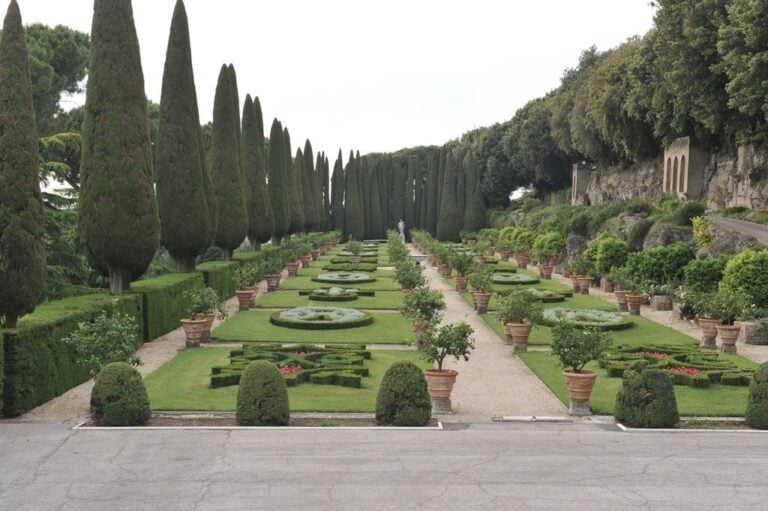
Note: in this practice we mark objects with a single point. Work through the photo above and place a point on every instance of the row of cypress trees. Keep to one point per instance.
(436, 189)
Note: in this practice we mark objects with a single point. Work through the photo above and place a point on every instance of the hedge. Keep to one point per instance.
(163, 302)
(38, 365)
(220, 275)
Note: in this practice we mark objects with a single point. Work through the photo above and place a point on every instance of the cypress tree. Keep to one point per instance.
(337, 197)
(118, 217)
(440, 182)
(397, 211)
(376, 222)
(297, 194)
(185, 219)
(461, 191)
(225, 161)
(278, 181)
(353, 205)
(421, 211)
(410, 194)
(475, 213)
(321, 211)
(289, 183)
(430, 193)
(327, 191)
(308, 187)
(22, 250)
(260, 222)
(451, 219)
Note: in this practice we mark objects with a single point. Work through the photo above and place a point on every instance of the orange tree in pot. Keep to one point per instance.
(724, 308)
(245, 280)
(409, 276)
(453, 340)
(202, 305)
(481, 280)
(575, 347)
(463, 262)
(548, 248)
(424, 307)
(519, 311)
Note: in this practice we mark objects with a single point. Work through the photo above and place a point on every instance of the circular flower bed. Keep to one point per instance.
(344, 277)
(545, 296)
(333, 294)
(603, 320)
(514, 278)
(365, 253)
(321, 318)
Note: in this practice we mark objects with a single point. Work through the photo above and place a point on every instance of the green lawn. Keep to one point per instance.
(718, 400)
(297, 283)
(576, 301)
(254, 326)
(290, 299)
(183, 384)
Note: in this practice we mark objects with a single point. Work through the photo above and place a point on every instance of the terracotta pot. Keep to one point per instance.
(519, 333)
(355, 259)
(584, 283)
(315, 255)
(579, 389)
(273, 281)
(728, 335)
(406, 290)
(634, 301)
(305, 260)
(505, 254)
(545, 271)
(445, 270)
(254, 289)
(293, 268)
(440, 384)
(606, 285)
(244, 299)
(661, 303)
(575, 283)
(461, 283)
(194, 329)
(522, 261)
(567, 273)
(481, 301)
(708, 328)
(621, 299)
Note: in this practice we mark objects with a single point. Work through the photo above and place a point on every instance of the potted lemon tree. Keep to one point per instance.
(519, 312)
(203, 306)
(547, 249)
(453, 340)
(423, 306)
(481, 281)
(463, 262)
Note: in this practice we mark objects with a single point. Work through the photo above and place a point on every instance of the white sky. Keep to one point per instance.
(375, 76)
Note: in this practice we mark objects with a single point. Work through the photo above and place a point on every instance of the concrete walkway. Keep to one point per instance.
(493, 382)
(758, 231)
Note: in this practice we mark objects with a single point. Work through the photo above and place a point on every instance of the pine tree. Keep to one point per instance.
(185, 219)
(308, 187)
(225, 162)
(119, 222)
(475, 213)
(337, 197)
(297, 194)
(260, 222)
(430, 193)
(278, 182)
(354, 215)
(22, 250)
(450, 221)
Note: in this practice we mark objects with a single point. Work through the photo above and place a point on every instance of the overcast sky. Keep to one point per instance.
(375, 76)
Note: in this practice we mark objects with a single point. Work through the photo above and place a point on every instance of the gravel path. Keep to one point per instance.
(493, 382)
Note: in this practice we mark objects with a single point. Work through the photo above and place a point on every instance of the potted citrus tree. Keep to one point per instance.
(244, 278)
(547, 249)
(624, 283)
(575, 347)
(409, 276)
(448, 341)
(505, 247)
(273, 269)
(463, 262)
(423, 306)
(522, 241)
(723, 308)
(444, 261)
(203, 304)
(481, 281)
(355, 248)
(519, 312)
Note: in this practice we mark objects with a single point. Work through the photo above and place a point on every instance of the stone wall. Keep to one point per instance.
(643, 179)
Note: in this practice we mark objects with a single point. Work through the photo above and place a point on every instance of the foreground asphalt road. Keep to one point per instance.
(505, 466)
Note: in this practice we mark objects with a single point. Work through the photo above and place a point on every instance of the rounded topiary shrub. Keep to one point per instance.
(757, 404)
(119, 397)
(262, 398)
(748, 273)
(403, 398)
(647, 399)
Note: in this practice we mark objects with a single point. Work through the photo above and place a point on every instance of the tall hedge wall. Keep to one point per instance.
(38, 365)
(220, 275)
(163, 303)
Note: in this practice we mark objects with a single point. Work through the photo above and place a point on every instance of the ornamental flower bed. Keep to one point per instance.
(342, 365)
(686, 365)
(587, 318)
(514, 279)
(321, 318)
(343, 277)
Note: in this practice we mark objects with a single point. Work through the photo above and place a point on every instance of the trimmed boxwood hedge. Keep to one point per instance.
(331, 278)
(163, 301)
(220, 275)
(38, 365)
(361, 319)
(367, 267)
(592, 318)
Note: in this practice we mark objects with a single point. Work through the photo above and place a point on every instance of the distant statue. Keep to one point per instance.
(401, 228)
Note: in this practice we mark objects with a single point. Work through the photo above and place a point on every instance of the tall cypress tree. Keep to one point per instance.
(440, 183)
(376, 221)
(337, 195)
(289, 183)
(22, 251)
(260, 222)
(353, 204)
(461, 191)
(321, 210)
(327, 192)
(450, 221)
(410, 193)
(297, 194)
(118, 217)
(421, 209)
(397, 192)
(430, 193)
(185, 219)
(278, 182)
(475, 213)
(308, 187)
(225, 161)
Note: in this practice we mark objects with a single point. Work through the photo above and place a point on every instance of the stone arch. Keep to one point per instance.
(668, 176)
(683, 175)
(674, 175)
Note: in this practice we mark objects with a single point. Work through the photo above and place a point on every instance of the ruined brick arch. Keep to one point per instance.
(683, 167)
